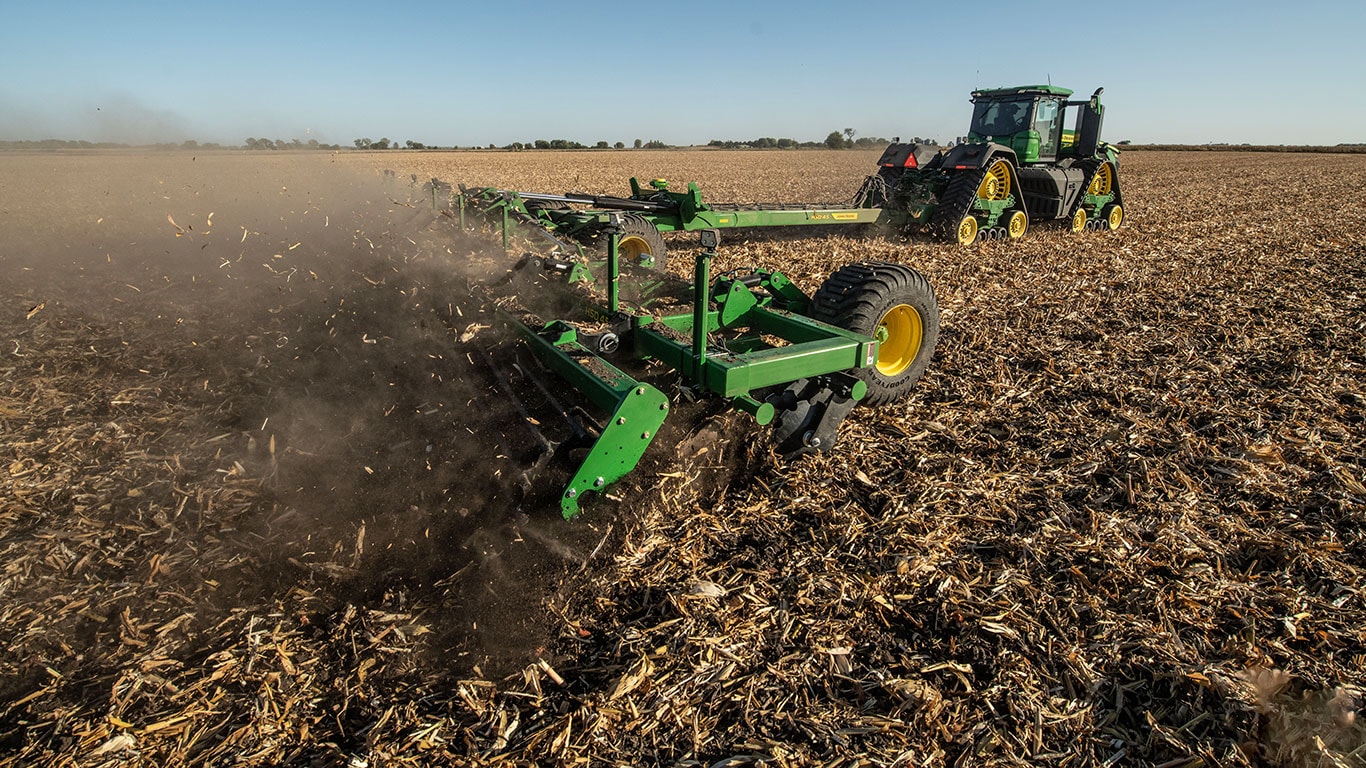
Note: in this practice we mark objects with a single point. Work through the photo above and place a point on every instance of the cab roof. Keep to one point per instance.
(1020, 90)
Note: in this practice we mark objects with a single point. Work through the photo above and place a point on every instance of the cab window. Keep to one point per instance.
(1048, 124)
(1000, 118)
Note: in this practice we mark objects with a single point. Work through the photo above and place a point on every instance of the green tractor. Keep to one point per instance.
(1020, 165)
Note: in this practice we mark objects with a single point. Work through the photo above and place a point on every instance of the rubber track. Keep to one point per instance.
(1091, 166)
(854, 298)
(958, 198)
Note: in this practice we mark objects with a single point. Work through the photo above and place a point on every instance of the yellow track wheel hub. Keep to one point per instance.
(967, 230)
(1116, 216)
(900, 333)
(1079, 220)
(1019, 222)
(996, 184)
(1103, 181)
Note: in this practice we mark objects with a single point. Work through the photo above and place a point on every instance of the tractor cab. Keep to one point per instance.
(1031, 121)
(1028, 119)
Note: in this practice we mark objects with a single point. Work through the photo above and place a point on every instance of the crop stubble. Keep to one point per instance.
(1119, 521)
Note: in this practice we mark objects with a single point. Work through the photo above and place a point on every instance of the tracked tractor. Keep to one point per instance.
(1021, 164)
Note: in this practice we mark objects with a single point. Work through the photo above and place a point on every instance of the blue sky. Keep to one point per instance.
(461, 74)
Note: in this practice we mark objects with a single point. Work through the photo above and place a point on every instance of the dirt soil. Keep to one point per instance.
(262, 503)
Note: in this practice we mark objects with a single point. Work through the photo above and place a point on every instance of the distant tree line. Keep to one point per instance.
(836, 140)
(253, 143)
(518, 146)
(765, 142)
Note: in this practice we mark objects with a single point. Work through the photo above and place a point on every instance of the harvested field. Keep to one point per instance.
(258, 503)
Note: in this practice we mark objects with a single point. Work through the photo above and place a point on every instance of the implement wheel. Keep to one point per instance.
(640, 241)
(893, 304)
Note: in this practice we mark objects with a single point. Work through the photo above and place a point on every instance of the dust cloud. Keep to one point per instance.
(115, 116)
(322, 322)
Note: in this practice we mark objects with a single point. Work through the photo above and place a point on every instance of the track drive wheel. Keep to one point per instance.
(1113, 215)
(639, 240)
(1016, 225)
(995, 182)
(895, 305)
(1102, 181)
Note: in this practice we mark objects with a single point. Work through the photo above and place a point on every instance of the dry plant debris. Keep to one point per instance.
(246, 517)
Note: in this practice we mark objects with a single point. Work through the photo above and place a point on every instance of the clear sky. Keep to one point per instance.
(454, 73)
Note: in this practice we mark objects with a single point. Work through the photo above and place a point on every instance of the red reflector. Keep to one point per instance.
(910, 161)
(961, 167)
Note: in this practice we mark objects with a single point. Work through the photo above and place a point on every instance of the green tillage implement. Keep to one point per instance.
(657, 208)
(812, 361)
(755, 340)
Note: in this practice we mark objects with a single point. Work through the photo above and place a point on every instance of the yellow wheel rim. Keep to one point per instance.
(1079, 220)
(1017, 225)
(900, 333)
(996, 184)
(631, 248)
(1116, 216)
(1103, 181)
(967, 230)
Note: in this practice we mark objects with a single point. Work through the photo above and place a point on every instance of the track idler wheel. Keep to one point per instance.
(1113, 215)
(1079, 220)
(1016, 225)
(967, 230)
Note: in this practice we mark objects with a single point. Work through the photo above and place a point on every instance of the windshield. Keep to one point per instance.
(1000, 118)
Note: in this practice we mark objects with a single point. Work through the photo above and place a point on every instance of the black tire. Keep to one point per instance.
(865, 296)
(639, 237)
(532, 206)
